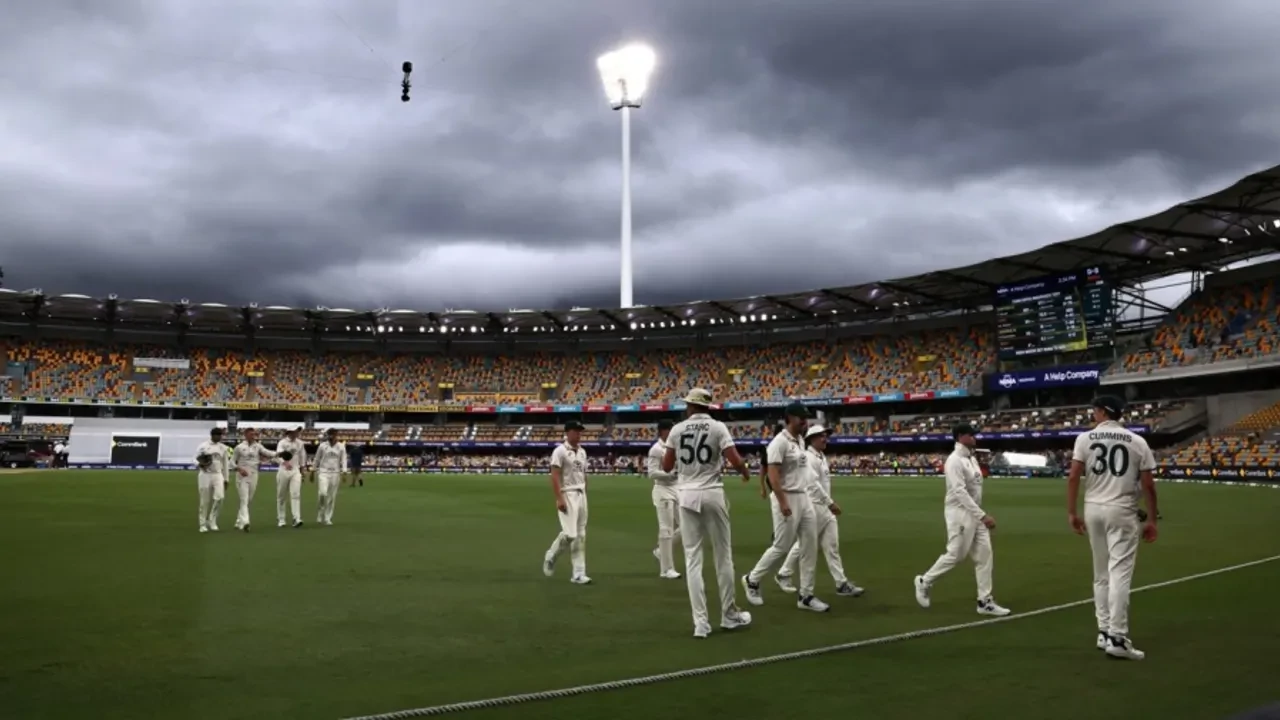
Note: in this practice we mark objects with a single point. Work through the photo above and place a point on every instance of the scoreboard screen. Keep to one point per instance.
(1055, 314)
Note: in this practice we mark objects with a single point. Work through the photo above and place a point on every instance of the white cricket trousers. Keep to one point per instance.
(1114, 532)
(828, 543)
(573, 531)
(667, 504)
(327, 484)
(966, 537)
(288, 488)
(799, 529)
(246, 486)
(704, 515)
(212, 490)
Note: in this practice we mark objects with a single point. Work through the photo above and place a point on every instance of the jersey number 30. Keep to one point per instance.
(695, 448)
(1114, 460)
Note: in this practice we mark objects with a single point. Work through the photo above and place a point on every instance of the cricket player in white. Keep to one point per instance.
(697, 449)
(968, 525)
(1117, 467)
(211, 479)
(292, 454)
(569, 483)
(828, 526)
(246, 458)
(666, 501)
(330, 466)
(794, 518)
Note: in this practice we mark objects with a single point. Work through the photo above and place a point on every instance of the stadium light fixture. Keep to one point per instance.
(625, 73)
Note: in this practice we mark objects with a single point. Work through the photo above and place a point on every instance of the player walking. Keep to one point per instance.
(357, 464)
(246, 458)
(569, 483)
(292, 454)
(794, 518)
(828, 526)
(696, 450)
(968, 525)
(1117, 467)
(211, 479)
(666, 501)
(330, 465)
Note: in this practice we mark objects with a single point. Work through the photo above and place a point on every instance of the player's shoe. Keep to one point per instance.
(752, 590)
(989, 607)
(580, 580)
(735, 619)
(784, 582)
(701, 631)
(297, 523)
(812, 604)
(328, 523)
(1102, 640)
(848, 589)
(245, 527)
(280, 523)
(213, 528)
(1122, 648)
(204, 529)
(670, 575)
(922, 591)
(549, 565)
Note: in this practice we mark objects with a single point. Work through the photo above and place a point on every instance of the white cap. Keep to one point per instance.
(815, 429)
(698, 396)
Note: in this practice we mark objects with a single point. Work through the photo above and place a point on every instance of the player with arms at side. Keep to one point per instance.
(666, 501)
(968, 525)
(211, 479)
(569, 483)
(697, 449)
(356, 457)
(330, 466)
(1117, 467)
(246, 457)
(293, 456)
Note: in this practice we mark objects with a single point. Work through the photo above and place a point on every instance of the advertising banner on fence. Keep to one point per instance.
(1205, 472)
(1063, 376)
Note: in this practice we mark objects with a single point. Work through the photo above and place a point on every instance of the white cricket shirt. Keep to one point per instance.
(573, 466)
(964, 482)
(819, 478)
(331, 458)
(218, 452)
(248, 456)
(699, 441)
(653, 464)
(786, 451)
(299, 450)
(1114, 460)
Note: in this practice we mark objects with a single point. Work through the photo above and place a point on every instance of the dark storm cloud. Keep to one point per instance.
(248, 151)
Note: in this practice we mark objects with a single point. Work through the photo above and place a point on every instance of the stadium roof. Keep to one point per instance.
(1238, 223)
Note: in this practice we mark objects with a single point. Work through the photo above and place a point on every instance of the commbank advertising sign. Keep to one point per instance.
(1063, 376)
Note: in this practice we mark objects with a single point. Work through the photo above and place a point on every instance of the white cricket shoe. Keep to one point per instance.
(670, 575)
(989, 607)
(812, 604)
(549, 565)
(280, 523)
(735, 619)
(1102, 640)
(849, 590)
(328, 523)
(204, 529)
(784, 582)
(922, 591)
(580, 580)
(1122, 648)
(213, 528)
(752, 590)
(701, 631)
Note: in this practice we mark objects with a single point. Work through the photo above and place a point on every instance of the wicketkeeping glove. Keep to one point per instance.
(286, 456)
(204, 460)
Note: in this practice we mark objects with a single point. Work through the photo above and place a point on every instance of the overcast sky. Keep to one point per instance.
(242, 150)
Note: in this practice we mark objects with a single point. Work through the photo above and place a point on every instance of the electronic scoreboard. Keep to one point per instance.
(1060, 313)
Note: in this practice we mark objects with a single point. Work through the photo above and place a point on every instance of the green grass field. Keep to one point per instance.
(428, 590)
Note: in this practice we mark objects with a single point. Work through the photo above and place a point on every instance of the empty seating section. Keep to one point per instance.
(402, 380)
(520, 377)
(63, 369)
(1229, 323)
(302, 377)
(1252, 441)
(215, 375)
(934, 360)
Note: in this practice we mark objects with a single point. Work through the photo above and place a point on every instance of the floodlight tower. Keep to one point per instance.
(626, 73)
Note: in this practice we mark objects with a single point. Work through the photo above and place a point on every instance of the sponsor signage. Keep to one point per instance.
(167, 363)
(1206, 472)
(1063, 376)
(135, 449)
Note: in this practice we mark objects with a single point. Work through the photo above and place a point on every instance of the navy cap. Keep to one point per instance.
(1113, 405)
(665, 424)
(573, 425)
(796, 410)
(962, 429)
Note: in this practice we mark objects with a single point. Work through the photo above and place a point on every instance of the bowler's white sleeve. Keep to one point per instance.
(776, 452)
(1148, 459)
(557, 457)
(956, 490)
(1081, 451)
(723, 440)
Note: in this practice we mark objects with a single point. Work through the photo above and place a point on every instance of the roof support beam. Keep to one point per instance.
(903, 290)
(789, 305)
(613, 319)
(1227, 210)
(849, 298)
(1008, 262)
(554, 320)
(971, 281)
(1158, 232)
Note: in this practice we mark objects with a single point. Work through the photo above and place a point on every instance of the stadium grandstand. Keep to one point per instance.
(1014, 345)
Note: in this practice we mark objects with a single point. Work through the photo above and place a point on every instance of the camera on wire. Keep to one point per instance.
(404, 85)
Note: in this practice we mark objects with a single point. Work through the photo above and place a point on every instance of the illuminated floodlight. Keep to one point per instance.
(625, 73)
